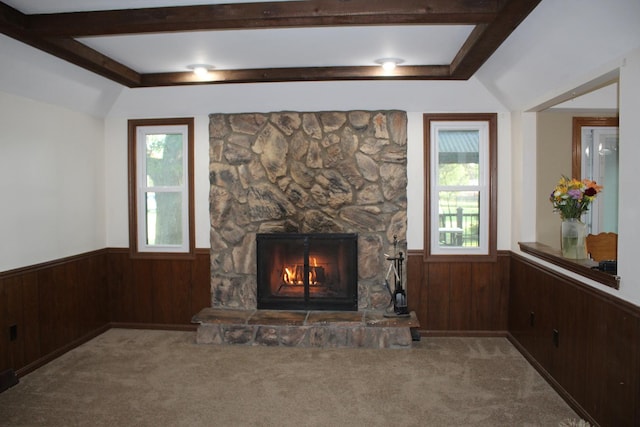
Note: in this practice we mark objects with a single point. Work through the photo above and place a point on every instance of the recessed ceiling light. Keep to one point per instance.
(200, 70)
(389, 64)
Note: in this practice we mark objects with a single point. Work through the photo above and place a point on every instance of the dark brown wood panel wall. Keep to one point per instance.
(157, 291)
(57, 305)
(459, 297)
(51, 306)
(594, 358)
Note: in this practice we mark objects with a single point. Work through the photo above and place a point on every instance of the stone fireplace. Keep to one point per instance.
(305, 172)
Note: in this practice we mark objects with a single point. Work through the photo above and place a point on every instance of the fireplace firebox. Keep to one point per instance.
(314, 271)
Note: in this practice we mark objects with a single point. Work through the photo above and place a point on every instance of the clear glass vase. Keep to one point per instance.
(574, 233)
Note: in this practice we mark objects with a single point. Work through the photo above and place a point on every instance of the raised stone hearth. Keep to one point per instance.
(322, 329)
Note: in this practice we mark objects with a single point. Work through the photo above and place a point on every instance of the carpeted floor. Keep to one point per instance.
(159, 378)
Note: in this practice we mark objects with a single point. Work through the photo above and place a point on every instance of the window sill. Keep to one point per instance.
(582, 267)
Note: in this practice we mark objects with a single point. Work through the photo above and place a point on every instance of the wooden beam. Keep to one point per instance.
(485, 39)
(290, 14)
(12, 23)
(422, 72)
(92, 60)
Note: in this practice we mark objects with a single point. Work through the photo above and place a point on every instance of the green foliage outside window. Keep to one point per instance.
(164, 169)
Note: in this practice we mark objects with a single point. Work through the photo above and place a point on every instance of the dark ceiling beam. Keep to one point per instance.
(11, 19)
(485, 39)
(79, 54)
(313, 13)
(418, 72)
(12, 24)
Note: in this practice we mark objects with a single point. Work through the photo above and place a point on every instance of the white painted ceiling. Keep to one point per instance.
(560, 43)
(280, 48)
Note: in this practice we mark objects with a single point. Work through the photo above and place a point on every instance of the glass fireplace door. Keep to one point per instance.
(307, 271)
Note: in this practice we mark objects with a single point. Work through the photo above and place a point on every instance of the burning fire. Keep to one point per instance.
(294, 274)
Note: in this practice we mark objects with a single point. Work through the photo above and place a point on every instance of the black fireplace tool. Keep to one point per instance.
(398, 295)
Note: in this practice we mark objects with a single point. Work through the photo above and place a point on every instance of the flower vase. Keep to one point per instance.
(574, 233)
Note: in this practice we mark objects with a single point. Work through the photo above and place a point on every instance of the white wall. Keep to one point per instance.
(629, 208)
(36, 75)
(51, 181)
(199, 102)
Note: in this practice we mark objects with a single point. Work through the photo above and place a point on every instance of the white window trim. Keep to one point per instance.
(142, 188)
(483, 187)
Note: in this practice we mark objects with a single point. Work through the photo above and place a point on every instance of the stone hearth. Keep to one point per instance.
(305, 172)
(320, 329)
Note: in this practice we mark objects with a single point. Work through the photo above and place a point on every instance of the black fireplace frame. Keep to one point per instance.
(265, 301)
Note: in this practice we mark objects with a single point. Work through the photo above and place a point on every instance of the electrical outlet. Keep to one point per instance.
(13, 332)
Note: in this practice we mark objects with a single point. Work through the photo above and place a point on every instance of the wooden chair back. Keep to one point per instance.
(603, 246)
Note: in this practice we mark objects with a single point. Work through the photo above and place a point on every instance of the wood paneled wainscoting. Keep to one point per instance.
(585, 342)
(49, 308)
(157, 292)
(459, 298)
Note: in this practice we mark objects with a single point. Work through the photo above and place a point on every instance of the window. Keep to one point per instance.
(161, 186)
(460, 174)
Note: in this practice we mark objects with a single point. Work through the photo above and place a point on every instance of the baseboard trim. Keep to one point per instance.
(551, 381)
(470, 334)
(60, 351)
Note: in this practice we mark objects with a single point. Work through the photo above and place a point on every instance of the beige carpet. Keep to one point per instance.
(160, 378)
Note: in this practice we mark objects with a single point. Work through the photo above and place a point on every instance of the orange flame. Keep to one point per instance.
(294, 274)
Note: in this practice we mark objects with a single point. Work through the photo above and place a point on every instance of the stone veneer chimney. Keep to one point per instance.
(305, 172)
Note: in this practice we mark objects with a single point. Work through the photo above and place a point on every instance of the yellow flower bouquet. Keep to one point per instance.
(572, 197)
